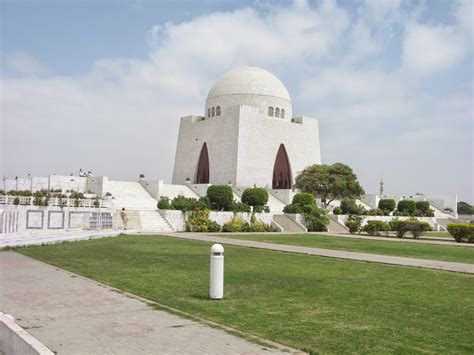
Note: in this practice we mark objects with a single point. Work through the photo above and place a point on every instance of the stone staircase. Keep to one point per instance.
(153, 221)
(131, 195)
(276, 206)
(288, 225)
(140, 207)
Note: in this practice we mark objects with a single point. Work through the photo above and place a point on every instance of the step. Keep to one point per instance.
(287, 224)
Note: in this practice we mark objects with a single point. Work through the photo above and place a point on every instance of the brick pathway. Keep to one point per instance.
(384, 259)
(74, 315)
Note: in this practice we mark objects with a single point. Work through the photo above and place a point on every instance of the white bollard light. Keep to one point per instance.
(216, 289)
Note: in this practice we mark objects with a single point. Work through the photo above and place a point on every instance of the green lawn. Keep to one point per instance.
(411, 250)
(439, 235)
(317, 304)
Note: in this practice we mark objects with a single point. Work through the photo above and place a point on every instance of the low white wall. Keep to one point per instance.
(20, 218)
(14, 340)
(178, 219)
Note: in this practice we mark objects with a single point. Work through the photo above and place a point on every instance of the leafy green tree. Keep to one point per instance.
(303, 198)
(387, 204)
(329, 182)
(256, 196)
(407, 206)
(465, 208)
(220, 197)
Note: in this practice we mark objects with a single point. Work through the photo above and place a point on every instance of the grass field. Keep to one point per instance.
(411, 250)
(317, 304)
(438, 234)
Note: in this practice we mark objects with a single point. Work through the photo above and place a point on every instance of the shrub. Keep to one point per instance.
(303, 198)
(183, 203)
(462, 232)
(240, 207)
(349, 207)
(315, 218)
(375, 212)
(353, 223)
(198, 221)
(292, 209)
(387, 204)
(422, 207)
(401, 213)
(416, 228)
(407, 206)
(164, 203)
(375, 227)
(236, 224)
(257, 226)
(337, 210)
(16, 201)
(255, 197)
(213, 226)
(220, 197)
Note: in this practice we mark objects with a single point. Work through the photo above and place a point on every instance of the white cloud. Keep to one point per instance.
(121, 118)
(429, 49)
(24, 64)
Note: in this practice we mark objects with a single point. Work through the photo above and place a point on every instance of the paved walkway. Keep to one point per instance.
(74, 315)
(39, 237)
(425, 240)
(384, 259)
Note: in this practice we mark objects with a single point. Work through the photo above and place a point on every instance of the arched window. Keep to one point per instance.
(277, 112)
(202, 171)
(218, 111)
(282, 113)
(270, 111)
(282, 178)
(213, 111)
(208, 112)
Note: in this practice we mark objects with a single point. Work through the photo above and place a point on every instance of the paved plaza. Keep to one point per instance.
(73, 315)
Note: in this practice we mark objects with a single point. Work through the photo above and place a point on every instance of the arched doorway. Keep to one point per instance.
(202, 172)
(282, 171)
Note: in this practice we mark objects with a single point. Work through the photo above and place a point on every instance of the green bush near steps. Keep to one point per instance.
(220, 197)
(416, 228)
(375, 227)
(462, 232)
(255, 197)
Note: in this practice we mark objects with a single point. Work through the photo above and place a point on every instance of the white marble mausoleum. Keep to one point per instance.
(247, 135)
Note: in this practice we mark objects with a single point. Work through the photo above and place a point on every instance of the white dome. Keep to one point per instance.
(249, 81)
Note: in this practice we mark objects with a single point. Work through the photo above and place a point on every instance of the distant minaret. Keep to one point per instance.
(381, 187)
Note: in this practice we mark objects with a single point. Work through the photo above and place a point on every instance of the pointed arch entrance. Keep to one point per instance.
(282, 170)
(202, 172)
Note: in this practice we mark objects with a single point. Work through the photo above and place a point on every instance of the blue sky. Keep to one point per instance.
(101, 85)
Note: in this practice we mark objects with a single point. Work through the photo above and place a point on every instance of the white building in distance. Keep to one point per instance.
(248, 135)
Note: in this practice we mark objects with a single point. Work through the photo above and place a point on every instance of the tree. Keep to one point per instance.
(465, 208)
(255, 197)
(329, 182)
(387, 204)
(407, 206)
(303, 198)
(220, 197)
